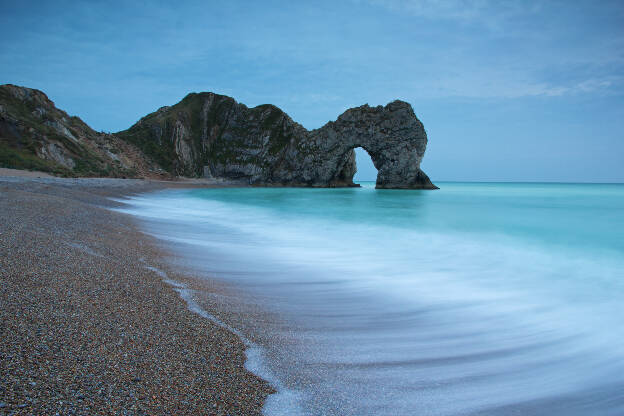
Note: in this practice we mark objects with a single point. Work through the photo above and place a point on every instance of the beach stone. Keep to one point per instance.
(59, 352)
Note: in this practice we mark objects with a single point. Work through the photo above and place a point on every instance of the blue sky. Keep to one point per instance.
(507, 90)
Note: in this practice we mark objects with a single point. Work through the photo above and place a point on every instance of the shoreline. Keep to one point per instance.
(89, 325)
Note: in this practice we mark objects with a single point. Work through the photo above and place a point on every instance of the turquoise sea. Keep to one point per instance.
(475, 299)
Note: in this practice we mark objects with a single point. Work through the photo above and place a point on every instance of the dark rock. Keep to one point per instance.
(212, 135)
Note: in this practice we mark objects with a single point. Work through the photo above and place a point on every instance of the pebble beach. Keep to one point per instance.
(89, 326)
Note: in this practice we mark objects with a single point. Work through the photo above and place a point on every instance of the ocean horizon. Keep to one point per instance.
(481, 298)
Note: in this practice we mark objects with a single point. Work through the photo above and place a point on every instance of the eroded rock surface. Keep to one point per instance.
(35, 135)
(212, 135)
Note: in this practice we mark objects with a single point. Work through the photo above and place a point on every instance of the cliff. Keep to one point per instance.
(35, 135)
(212, 135)
(208, 134)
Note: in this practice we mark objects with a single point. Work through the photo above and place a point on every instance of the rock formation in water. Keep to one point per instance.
(212, 135)
(35, 135)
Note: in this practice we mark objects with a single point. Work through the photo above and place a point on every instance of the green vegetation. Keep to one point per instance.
(153, 134)
(30, 122)
(163, 154)
(22, 159)
(13, 158)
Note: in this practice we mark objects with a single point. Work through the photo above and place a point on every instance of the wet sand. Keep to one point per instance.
(88, 326)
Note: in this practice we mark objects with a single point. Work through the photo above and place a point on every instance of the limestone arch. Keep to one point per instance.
(347, 166)
(392, 136)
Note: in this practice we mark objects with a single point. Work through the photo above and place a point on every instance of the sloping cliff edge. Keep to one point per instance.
(211, 135)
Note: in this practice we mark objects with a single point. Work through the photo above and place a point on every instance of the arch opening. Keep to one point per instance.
(365, 168)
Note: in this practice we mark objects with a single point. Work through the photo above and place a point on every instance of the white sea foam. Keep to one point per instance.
(255, 360)
(488, 300)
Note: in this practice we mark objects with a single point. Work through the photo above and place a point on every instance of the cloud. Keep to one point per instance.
(512, 49)
(493, 13)
(497, 86)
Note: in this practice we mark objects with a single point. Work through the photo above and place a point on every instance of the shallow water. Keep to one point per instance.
(477, 298)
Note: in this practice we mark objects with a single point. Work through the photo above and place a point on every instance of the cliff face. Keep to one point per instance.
(35, 135)
(212, 135)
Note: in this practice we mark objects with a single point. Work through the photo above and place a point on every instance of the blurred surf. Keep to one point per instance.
(478, 298)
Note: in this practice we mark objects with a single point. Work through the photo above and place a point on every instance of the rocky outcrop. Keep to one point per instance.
(208, 134)
(212, 135)
(36, 135)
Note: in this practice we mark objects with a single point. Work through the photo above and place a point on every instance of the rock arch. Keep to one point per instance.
(393, 137)
(263, 146)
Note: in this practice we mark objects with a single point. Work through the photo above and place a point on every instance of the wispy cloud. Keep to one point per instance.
(493, 13)
(512, 49)
(502, 85)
